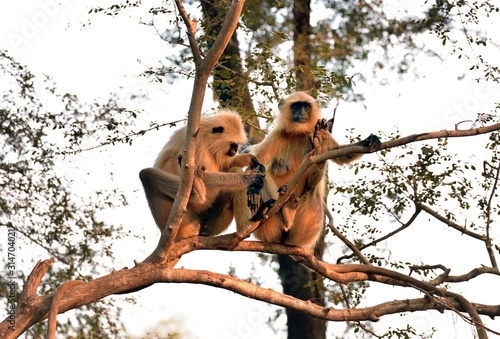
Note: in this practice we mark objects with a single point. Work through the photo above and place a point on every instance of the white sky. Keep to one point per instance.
(103, 57)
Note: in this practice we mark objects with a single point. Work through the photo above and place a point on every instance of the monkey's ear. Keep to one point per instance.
(219, 129)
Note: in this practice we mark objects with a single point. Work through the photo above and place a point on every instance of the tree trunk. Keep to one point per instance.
(302, 44)
(229, 84)
(302, 283)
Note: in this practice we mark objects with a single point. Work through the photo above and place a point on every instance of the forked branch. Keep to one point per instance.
(204, 68)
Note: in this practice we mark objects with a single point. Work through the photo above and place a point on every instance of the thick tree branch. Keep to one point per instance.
(35, 308)
(34, 279)
(349, 149)
(223, 38)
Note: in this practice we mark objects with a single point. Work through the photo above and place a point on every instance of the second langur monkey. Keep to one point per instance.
(298, 130)
(219, 176)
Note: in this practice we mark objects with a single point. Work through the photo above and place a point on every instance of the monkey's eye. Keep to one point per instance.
(219, 129)
(298, 107)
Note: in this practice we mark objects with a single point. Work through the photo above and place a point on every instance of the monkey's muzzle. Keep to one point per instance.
(233, 149)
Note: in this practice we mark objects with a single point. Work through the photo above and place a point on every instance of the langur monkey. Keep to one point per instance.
(218, 176)
(298, 130)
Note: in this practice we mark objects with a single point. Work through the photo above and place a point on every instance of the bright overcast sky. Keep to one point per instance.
(102, 58)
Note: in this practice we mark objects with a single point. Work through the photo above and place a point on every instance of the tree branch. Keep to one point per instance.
(344, 150)
(388, 235)
(191, 27)
(355, 250)
(35, 308)
(203, 70)
(487, 242)
(450, 223)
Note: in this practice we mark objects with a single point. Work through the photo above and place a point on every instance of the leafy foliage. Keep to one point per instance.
(39, 125)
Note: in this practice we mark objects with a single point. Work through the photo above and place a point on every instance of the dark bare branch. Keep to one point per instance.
(387, 236)
(356, 251)
(453, 225)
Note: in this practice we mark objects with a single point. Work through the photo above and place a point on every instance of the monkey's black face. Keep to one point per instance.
(233, 149)
(300, 111)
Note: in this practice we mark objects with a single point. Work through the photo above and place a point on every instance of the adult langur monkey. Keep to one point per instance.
(298, 130)
(219, 176)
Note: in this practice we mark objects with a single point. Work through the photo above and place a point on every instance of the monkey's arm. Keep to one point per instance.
(229, 181)
(324, 142)
(372, 141)
(167, 184)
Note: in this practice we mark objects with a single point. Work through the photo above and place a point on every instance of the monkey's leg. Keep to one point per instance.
(159, 183)
(372, 141)
(160, 188)
(165, 184)
(322, 141)
(289, 210)
(308, 223)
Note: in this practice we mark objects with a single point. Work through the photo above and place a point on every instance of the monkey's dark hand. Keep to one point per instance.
(321, 124)
(321, 139)
(372, 141)
(253, 193)
(257, 167)
(282, 190)
(262, 211)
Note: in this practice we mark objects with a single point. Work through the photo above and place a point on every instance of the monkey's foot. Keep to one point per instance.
(200, 172)
(321, 124)
(262, 211)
